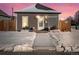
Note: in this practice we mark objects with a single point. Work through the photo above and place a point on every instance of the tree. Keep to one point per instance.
(76, 18)
(71, 20)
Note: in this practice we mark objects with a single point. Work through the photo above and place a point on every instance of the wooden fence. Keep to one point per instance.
(7, 25)
(64, 25)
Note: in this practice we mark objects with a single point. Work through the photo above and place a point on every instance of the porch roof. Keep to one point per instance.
(38, 8)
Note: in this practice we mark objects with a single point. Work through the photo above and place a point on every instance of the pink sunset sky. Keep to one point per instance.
(67, 9)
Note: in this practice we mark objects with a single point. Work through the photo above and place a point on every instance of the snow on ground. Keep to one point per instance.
(44, 41)
(21, 41)
(68, 39)
(13, 38)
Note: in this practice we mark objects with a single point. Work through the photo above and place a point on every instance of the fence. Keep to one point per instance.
(7, 25)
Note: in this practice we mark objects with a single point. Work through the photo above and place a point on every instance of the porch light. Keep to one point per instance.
(40, 18)
(37, 16)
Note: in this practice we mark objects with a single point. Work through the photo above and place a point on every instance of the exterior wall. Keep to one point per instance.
(32, 22)
(19, 22)
(52, 20)
(4, 18)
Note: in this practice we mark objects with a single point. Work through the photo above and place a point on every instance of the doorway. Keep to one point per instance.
(40, 22)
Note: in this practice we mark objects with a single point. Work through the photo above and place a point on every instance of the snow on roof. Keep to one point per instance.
(39, 8)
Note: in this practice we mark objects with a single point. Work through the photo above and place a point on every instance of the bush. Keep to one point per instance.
(30, 29)
(53, 27)
(46, 29)
(24, 28)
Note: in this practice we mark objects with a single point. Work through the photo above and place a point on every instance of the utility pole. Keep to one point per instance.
(12, 14)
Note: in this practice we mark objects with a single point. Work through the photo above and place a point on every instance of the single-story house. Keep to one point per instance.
(37, 16)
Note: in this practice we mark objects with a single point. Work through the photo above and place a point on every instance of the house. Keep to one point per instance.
(37, 16)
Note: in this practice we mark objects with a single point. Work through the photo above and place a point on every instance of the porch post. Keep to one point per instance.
(19, 22)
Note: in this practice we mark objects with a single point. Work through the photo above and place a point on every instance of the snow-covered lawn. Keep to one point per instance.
(68, 39)
(24, 40)
(13, 38)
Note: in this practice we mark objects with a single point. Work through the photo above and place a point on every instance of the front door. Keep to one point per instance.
(40, 22)
(24, 21)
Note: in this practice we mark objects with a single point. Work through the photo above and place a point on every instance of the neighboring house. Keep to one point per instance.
(37, 16)
(4, 16)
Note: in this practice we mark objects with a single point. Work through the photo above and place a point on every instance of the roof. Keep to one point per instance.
(37, 8)
(2, 13)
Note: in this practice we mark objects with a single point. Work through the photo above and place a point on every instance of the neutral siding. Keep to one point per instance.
(53, 21)
(19, 22)
(33, 21)
(4, 18)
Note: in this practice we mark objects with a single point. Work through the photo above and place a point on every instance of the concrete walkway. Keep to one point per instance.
(44, 41)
